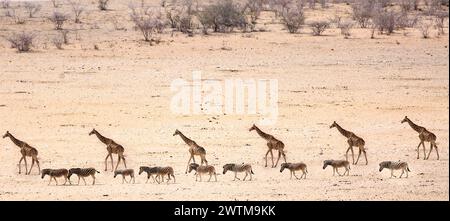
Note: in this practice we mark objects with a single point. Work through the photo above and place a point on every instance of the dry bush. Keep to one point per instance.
(385, 21)
(77, 9)
(312, 4)
(407, 20)
(345, 27)
(58, 18)
(439, 19)
(363, 11)
(103, 4)
(318, 27)
(424, 28)
(223, 16)
(55, 3)
(147, 22)
(22, 41)
(58, 42)
(254, 8)
(323, 3)
(5, 4)
(32, 8)
(16, 15)
(65, 36)
(293, 19)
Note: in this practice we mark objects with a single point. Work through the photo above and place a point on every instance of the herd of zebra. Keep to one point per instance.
(158, 174)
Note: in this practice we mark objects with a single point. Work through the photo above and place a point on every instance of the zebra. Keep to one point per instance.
(150, 172)
(124, 173)
(163, 171)
(83, 172)
(399, 165)
(295, 167)
(199, 170)
(247, 168)
(55, 173)
(337, 164)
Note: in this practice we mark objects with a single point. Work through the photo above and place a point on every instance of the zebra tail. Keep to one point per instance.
(407, 168)
(97, 171)
(252, 171)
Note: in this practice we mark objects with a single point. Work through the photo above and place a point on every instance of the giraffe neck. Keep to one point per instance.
(186, 140)
(415, 126)
(17, 142)
(262, 134)
(344, 132)
(102, 138)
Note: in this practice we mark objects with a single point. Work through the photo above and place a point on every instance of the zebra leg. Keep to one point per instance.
(295, 175)
(173, 176)
(392, 174)
(403, 171)
(246, 174)
(334, 170)
(337, 171)
(55, 181)
(250, 175)
(78, 180)
(215, 176)
(235, 176)
(50, 181)
(266, 157)
(200, 177)
(84, 181)
(291, 175)
(210, 176)
(65, 180)
(93, 179)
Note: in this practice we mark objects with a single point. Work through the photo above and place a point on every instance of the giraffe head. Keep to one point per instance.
(333, 125)
(92, 132)
(193, 166)
(252, 128)
(405, 119)
(177, 132)
(284, 166)
(7, 134)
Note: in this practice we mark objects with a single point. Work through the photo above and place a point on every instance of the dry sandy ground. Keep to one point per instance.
(53, 98)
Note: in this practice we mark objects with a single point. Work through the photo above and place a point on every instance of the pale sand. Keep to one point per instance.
(53, 98)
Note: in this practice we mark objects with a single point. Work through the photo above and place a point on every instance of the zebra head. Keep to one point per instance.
(227, 167)
(326, 163)
(45, 172)
(284, 166)
(193, 166)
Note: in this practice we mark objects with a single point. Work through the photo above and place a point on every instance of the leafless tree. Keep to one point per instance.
(103, 5)
(293, 19)
(318, 27)
(77, 9)
(32, 8)
(22, 41)
(58, 18)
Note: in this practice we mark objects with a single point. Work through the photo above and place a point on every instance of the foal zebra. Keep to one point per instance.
(337, 164)
(55, 173)
(83, 172)
(247, 168)
(163, 171)
(150, 172)
(124, 173)
(295, 167)
(400, 165)
(199, 170)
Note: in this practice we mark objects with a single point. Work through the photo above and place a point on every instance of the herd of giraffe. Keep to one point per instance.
(196, 150)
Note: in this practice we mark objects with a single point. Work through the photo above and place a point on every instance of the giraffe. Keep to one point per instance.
(352, 141)
(272, 144)
(194, 149)
(26, 151)
(424, 136)
(113, 148)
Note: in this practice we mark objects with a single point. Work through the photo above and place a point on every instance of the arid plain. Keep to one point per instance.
(53, 98)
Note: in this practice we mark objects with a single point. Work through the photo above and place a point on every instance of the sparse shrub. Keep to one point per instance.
(386, 21)
(254, 8)
(424, 28)
(345, 28)
(64, 36)
(224, 16)
(362, 12)
(173, 17)
(103, 5)
(58, 18)
(17, 16)
(312, 4)
(22, 41)
(5, 4)
(323, 3)
(440, 20)
(406, 5)
(207, 19)
(32, 8)
(318, 27)
(58, 42)
(147, 22)
(77, 9)
(55, 3)
(293, 20)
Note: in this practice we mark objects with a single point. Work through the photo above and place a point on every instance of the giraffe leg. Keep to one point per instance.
(359, 154)
(106, 161)
(431, 149)
(365, 156)
(118, 161)
(124, 163)
(271, 156)
(279, 156)
(424, 151)
(20, 161)
(26, 167)
(39, 166)
(189, 161)
(418, 146)
(436, 148)
(32, 164)
(266, 156)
